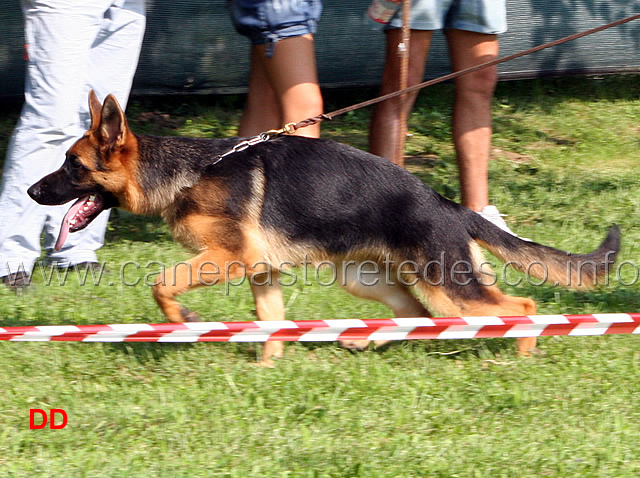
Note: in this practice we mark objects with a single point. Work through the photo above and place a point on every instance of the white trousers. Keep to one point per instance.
(72, 46)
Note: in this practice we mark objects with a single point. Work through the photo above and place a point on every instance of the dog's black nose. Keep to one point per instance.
(34, 191)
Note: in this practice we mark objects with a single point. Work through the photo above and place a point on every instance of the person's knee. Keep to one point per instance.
(479, 83)
(305, 105)
(314, 104)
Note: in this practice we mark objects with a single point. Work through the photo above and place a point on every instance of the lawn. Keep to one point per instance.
(565, 168)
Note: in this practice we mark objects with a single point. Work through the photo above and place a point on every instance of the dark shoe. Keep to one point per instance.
(17, 281)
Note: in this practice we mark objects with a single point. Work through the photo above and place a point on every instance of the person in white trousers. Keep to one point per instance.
(72, 47)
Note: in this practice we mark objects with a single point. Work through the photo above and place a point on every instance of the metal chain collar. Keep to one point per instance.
(260, 138)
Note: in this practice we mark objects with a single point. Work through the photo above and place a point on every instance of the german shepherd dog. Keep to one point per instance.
(295, 200)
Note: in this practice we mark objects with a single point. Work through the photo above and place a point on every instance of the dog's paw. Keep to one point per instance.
(189, 315)
(356, 345)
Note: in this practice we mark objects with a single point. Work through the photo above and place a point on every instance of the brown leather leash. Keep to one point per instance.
(329, 116)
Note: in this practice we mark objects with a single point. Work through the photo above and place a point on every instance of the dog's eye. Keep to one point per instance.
(75, 162)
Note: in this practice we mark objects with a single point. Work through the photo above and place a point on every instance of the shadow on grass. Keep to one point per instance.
(153, 352)
(146, 352)
(124, 225)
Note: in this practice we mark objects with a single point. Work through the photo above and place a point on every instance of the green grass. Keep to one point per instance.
(415, 409)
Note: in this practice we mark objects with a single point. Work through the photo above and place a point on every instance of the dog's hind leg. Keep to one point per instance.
(467, 292)
(364, 281)
(480, 300)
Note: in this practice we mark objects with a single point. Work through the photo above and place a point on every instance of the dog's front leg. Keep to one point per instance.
(269, 306)
(207, 268)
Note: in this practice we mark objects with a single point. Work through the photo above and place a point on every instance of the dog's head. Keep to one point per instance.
(97, 170)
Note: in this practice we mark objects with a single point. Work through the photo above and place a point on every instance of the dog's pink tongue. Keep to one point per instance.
(66, 222)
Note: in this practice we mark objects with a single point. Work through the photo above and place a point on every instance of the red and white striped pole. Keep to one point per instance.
(333, 330)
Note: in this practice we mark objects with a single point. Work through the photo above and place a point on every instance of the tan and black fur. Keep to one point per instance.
(291, 199)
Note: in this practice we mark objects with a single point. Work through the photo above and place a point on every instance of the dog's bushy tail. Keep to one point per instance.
(575, 271)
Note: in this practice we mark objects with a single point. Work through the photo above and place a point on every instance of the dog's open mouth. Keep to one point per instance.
(79, 216)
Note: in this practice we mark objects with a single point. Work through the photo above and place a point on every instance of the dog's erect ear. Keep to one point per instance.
(95, 108)
(113, 124)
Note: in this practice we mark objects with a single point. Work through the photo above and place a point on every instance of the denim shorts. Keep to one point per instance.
(481, 16)
(267, 21)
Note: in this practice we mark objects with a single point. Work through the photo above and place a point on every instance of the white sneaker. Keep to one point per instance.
(491, 214)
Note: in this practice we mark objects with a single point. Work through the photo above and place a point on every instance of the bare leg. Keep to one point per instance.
(385, 123)
(283, 89)
(262, 111)
(472, 112)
